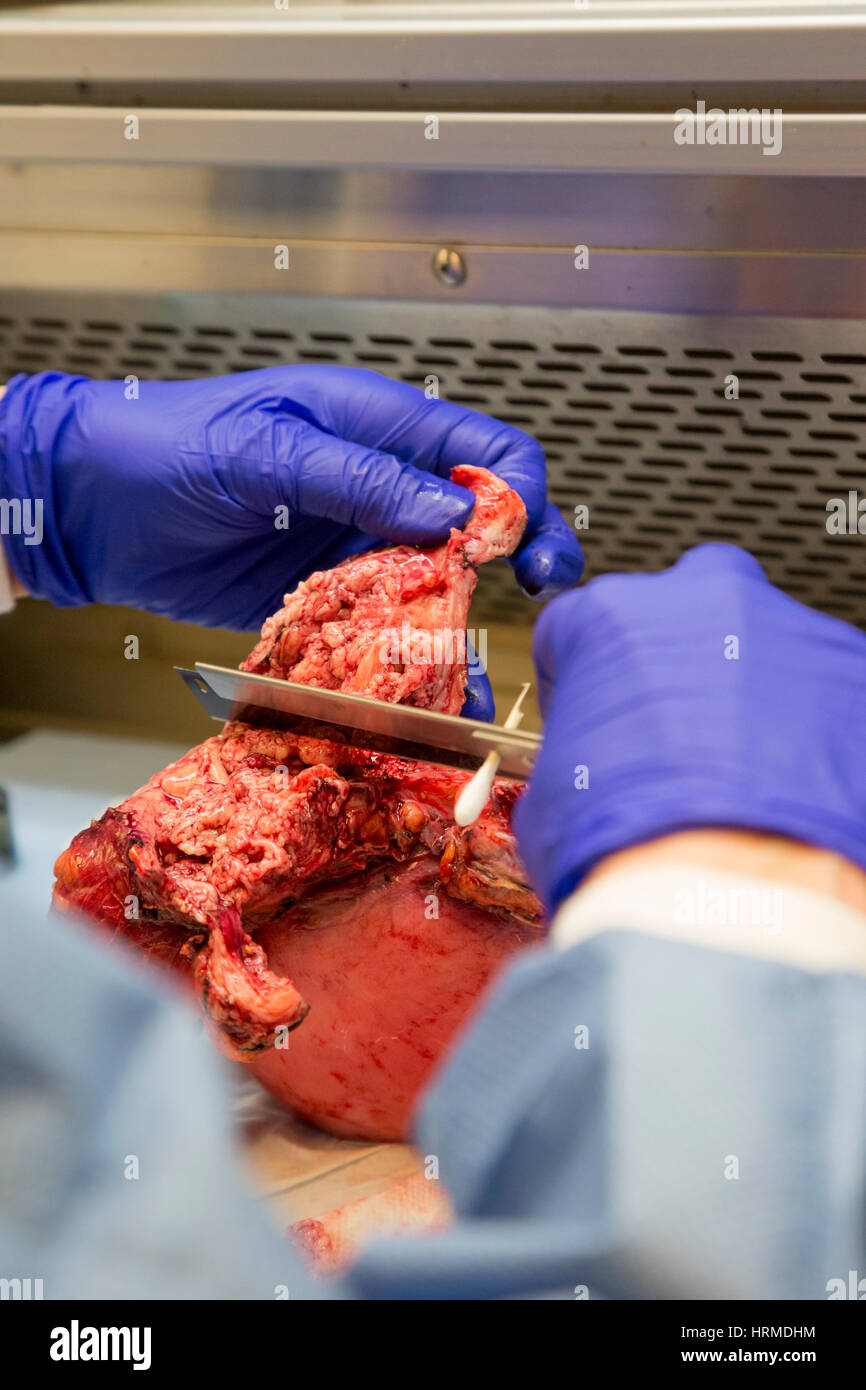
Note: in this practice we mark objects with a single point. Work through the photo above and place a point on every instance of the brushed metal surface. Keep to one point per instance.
(398, 729)
(816, 143)
(808, 284)
(616, 211)
(607, 40)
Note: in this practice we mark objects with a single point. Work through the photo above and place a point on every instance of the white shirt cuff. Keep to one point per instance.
(721, 911)
(7, 600)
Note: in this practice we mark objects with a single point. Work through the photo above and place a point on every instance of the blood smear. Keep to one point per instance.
(331, 1242)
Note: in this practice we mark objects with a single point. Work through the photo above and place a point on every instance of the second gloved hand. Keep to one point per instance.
(701, 696)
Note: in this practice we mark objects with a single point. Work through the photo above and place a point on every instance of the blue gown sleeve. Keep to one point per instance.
(630, 1117)
(640, 1118)
(118, 1165)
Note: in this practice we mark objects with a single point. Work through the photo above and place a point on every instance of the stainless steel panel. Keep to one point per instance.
(810, 143)
(808, 284)
(615, 211)
(604, 41)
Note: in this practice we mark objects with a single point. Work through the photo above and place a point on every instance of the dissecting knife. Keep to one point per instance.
(406, 732)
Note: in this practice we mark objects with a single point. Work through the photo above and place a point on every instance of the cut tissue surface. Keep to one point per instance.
(340, 627)
(334, 920)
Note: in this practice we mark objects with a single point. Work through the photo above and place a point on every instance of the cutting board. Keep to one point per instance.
(333, 1195)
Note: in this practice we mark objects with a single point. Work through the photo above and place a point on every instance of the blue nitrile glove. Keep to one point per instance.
(168, 501)
(701, 696)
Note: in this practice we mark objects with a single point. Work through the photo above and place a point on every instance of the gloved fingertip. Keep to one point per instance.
(424, 510)
(447, 503)
(548, 565)
(717, 557)
(479, 702)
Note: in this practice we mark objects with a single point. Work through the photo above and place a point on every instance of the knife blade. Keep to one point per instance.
(401, 730)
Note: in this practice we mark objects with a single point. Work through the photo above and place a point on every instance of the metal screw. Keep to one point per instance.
(449, 266)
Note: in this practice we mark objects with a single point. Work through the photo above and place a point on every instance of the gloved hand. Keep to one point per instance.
(167, 502)
(701, 696)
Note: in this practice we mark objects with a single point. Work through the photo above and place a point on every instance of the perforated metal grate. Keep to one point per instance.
(630, 408)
